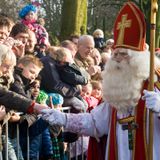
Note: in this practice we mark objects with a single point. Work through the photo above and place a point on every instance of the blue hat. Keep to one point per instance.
(56, 98)
(25, 10)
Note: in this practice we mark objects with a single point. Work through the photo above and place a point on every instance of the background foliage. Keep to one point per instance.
(100, 14)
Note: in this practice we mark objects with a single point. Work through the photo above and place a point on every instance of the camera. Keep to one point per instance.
(17, 43)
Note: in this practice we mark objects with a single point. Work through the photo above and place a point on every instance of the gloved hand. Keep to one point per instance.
(152, 100)
(54, 117)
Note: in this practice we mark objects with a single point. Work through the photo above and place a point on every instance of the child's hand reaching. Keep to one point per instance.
(51, 102)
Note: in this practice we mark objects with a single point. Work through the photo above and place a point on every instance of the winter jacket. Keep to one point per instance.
(21, 84)
(12, 100)
(71, 74)
(51, 81)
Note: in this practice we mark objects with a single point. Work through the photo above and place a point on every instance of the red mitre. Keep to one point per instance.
(130, 28)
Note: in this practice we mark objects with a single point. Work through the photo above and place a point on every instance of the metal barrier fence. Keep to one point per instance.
(5, 157)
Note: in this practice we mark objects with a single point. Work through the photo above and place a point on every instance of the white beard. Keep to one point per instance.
(122, 82)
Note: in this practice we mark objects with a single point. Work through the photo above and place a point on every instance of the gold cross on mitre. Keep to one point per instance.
(121, 27)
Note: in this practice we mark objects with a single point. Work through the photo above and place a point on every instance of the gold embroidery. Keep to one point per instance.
(129, 124)
(121, 27)
(126, 120)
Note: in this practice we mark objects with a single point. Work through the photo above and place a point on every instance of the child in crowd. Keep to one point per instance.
(68, 71)
(28, 15)
(96, 150)
(98, 36)
(55, 100)
(97, 90)
(35, 91)
(86, 94)
(26, 71)
(70, 74)
(41, 144)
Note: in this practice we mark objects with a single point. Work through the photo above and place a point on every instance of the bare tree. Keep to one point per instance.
(53, 10)
(11, 7)
(102, 14)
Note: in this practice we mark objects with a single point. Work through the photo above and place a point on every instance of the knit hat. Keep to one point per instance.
(42, 97)
(25, 10)
(56, 98)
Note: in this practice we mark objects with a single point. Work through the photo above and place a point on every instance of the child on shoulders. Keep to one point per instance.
(28, 15)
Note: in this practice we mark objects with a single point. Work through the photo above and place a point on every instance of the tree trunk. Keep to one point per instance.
(74, 18)
(146, 8)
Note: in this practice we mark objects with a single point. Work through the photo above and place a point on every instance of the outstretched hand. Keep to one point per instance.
(152, 99)
(39, 107)
(54, 117)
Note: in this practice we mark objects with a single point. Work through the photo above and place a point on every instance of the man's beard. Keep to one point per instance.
(122, 82)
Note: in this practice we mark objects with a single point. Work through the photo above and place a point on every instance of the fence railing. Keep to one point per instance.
(5, 155)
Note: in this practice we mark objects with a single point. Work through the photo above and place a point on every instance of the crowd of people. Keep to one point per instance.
(35, 74)
(102, 81)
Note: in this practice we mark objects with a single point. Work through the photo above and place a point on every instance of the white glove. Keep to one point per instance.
(152, 100)
(54, 117)
(38, 107)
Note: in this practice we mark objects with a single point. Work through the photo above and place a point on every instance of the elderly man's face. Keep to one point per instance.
(86, 48)
(120, 55)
